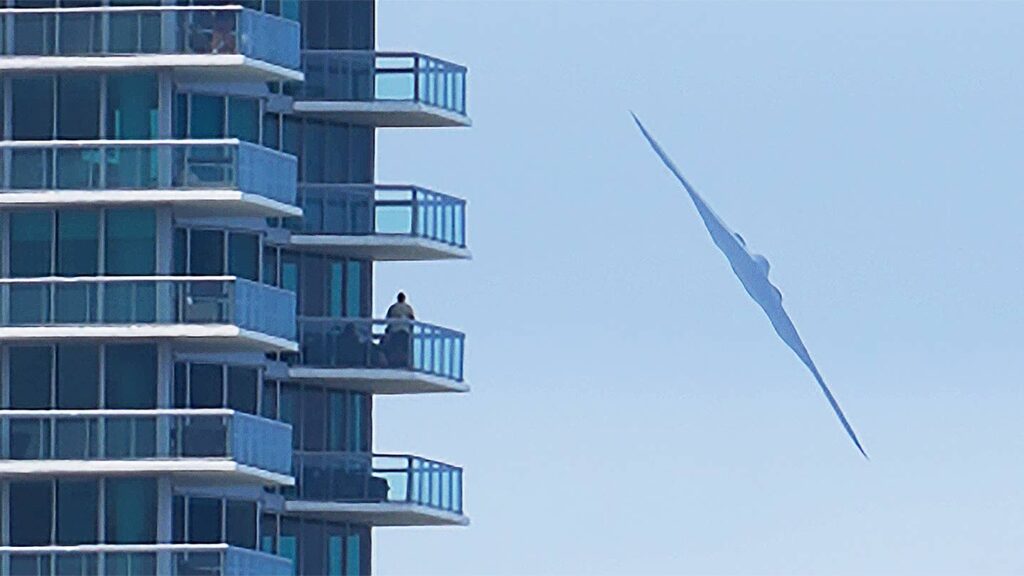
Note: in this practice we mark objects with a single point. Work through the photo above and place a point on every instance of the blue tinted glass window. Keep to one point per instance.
(207, 118)
(31, 374)
(206, 386)
(204, 520)
(78, 243)
(241, 524)
(314, 414)
(78, 107)
(244, 255)
(130, 510)
(30, 512)
(78, 377)
(77, 511)
(242, 386)
(32, 108)
(130, 376)
(353, 289)
(206, 253)
(244, 119)
(130, 243)
(132, 106)
(31, 243)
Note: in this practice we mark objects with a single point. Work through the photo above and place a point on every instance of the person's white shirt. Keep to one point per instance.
(400, 311)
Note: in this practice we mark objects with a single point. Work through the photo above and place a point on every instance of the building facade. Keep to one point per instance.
(189, 221)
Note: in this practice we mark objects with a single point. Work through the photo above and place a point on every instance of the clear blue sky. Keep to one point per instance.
(632, 410)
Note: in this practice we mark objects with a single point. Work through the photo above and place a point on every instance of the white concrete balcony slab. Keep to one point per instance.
(210, 43)
(213, 445)
(380, 356)
(199, 178)
(198, 312)
(381, 222)
(382, 89)
(170, 559)
(377, 489)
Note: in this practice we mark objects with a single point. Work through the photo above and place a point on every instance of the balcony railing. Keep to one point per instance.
(365, 76)
(147, 165)
(172, 559)
(362, 478)
(387, 210)
(150, 30)
(161, 434)
(134, 300)
(394, 344)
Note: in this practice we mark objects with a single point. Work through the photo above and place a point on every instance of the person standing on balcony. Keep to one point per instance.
(396, 341)
(399, 312)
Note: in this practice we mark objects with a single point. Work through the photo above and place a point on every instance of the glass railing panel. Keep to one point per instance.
(360, 477)
(114, 300)
(394, 344)
(151, 30)
(359, 76)
(361, 209)
(146, 434)
(173, 559)
(148, 165)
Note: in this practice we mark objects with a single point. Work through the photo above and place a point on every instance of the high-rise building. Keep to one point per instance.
(189, 221)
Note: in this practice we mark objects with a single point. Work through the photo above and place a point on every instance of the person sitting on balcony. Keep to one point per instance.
(395, 343)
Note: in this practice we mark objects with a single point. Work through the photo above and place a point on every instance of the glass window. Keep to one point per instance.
(244, 119)
(180, 251)
(78, 377)
(204, 520)
(78, 107)
(77, 511)
(206, 253)
(31, 243)
(244, 255)
(290, 272)
(178, 527)
(288, 543)
(336, 408)
(130, 242)
(78, 243)
(358, 433)
(242, 384)
(268, 534)
(312, 547)
(313, 418)
(272, 131)
(241, 524)
(354, 554)
(130, 376)
(353, 289)
(270, 266)
(334, 290)
(132, 106)
(335, 549)
(32, 108)
(361, 154)
(31, 512)
(206, 386)
(289, 409)
(313, 140)
(207, 118)
(31, 373)
(312, 300)
(269, 407)
(292, 142)
(130, 510)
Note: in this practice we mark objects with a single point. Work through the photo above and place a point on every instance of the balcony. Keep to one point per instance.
(381, 222)
(171, 559)
(198, 312)
(380, 490)
(385, 89)
(214, 444)
(219, 43)
(380, 356)
(200, 178)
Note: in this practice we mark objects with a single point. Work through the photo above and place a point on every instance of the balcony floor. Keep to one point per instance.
(381, 247)
(378, 380)
(204, 337)
(187, 67)
(383, 113)
(187, 203)
(378, 513)
(216, 471)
